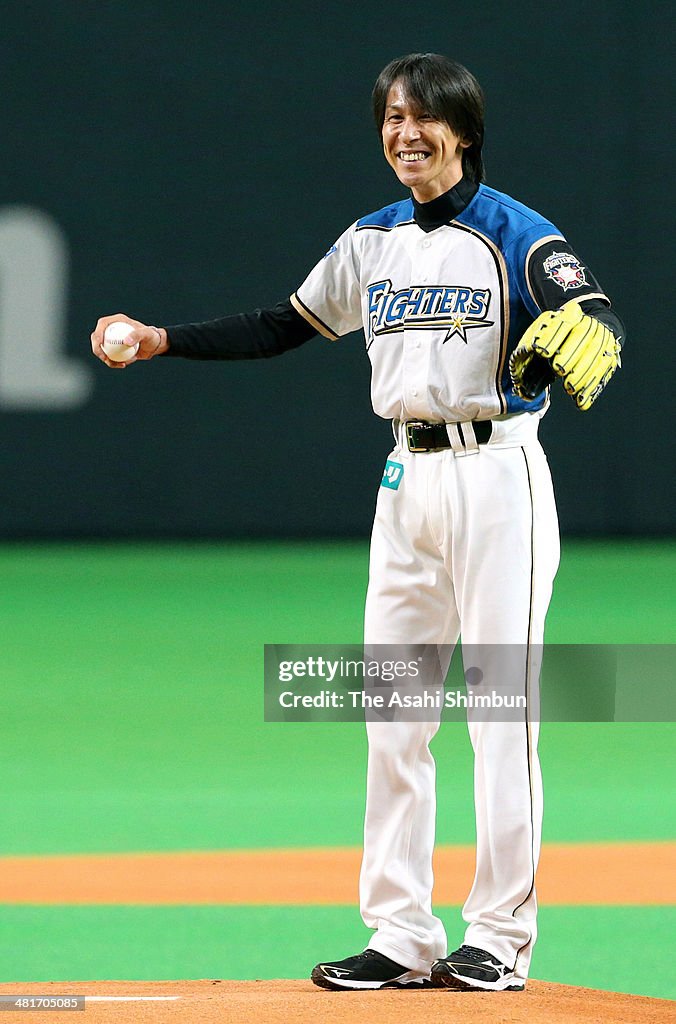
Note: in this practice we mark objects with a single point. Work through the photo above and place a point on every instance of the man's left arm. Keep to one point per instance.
(577, 336)
(555, 275)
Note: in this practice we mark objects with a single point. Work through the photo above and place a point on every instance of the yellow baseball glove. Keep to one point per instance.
(569, 344)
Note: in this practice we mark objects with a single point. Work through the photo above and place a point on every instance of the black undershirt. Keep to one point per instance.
(271, 332)
(258, 335)
(439, 211)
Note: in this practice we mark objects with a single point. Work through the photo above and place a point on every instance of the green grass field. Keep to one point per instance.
(132, 719)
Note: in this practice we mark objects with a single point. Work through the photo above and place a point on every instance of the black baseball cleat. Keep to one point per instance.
(471, 968)
(369, 969)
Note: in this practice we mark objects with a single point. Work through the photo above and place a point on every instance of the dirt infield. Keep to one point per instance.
(629, 873)
(639, 874)
(299, 1002)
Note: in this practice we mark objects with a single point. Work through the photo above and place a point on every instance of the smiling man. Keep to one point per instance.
(424, 152)
(451, 286)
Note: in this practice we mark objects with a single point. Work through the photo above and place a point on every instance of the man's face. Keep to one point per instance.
(425, 154)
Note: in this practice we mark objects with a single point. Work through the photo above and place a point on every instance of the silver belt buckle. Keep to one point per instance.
(410, 426)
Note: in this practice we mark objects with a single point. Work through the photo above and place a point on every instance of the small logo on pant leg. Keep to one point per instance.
(393, 475)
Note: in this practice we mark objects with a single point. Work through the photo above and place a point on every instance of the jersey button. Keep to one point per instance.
(426, 244)
(414, 392)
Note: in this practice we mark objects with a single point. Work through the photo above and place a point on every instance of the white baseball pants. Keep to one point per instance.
(468, 542)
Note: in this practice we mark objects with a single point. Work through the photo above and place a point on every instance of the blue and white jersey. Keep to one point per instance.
(443, 309)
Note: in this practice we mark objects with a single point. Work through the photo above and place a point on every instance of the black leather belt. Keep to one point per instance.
(428, 437)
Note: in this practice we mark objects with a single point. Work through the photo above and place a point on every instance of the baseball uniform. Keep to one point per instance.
(465, 536)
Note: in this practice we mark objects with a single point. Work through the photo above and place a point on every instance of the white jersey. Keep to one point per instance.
(441, 310)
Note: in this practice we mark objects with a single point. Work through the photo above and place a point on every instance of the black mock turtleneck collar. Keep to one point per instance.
(444, 208)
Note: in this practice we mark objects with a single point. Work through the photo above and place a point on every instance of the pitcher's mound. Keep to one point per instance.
(300, 1002)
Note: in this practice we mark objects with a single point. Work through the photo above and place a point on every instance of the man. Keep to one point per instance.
(446, 285)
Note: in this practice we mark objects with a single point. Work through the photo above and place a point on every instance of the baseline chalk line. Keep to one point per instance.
(131, 999)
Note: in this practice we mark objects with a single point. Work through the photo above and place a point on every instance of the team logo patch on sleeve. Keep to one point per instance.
(565, 270)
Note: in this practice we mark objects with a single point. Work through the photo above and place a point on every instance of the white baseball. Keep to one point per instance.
(114, 342)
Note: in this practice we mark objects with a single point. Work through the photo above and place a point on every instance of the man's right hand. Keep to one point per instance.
(152, 341)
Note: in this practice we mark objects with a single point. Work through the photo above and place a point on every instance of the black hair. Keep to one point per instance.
(444, 89)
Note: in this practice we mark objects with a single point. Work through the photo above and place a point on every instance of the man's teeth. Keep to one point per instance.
(410, 157)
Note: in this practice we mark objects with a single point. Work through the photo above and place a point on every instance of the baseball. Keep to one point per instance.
(114, 340)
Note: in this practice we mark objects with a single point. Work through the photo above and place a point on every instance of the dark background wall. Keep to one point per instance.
(178, 162)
